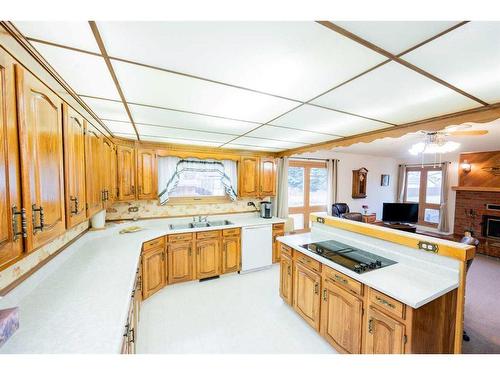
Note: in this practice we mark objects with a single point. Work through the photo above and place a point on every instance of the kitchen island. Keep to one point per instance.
(80, 301)
(411, 304)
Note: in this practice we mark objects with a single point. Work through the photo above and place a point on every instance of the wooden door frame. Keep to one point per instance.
(422, 193)
(306, 209)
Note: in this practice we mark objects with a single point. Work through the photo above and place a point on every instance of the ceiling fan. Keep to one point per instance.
(435, 142)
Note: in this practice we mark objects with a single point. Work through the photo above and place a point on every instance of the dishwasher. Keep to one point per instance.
(256, 247)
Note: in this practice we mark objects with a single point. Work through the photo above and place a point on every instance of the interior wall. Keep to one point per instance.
(376, 165)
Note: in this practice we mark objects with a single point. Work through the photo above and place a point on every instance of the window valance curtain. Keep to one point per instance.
(171, 168)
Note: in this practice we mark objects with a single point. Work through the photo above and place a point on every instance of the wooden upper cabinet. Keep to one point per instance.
(41, 137)
(146, 174)
(93, 163)
(306, 295)
(11, 238)
(341, 318)
(74, 166)
(249, 176)
(385, 335)
(207, 258)
(267, 177)
(126, 173)
(108, 169)
(231, 254)
(153, 271)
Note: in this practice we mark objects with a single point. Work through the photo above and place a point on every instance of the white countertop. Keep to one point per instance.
(415, 279)
(78, 302)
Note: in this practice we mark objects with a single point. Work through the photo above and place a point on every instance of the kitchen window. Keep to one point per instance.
(307, 191)
(423, 186)
(195, 180)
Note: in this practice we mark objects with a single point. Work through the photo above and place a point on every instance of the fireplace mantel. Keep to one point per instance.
(476, 188)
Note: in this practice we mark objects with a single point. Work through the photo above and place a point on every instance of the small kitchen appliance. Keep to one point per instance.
(265, 210)
(357, 260)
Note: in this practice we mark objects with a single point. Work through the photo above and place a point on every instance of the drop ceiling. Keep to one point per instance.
(270, 86)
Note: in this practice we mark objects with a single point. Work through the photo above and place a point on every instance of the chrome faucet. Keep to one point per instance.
(200, 219)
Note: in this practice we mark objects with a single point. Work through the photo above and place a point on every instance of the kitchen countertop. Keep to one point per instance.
(414, 281)
(78, 302)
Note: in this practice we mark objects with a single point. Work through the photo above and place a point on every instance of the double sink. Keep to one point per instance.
(203, 224)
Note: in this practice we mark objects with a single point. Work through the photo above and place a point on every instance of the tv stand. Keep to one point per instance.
(401, 226)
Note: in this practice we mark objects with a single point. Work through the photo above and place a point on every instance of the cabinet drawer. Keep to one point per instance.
(231, 232)
(310, 263)
(387, 303)
(208, 234)
(338, 278)
(279, 227)
(180, 237)
(154, 244)
(285, 250)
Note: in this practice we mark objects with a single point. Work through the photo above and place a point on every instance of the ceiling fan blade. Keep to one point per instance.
(468, 132)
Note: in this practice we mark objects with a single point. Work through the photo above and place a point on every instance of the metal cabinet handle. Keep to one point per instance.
(106, 194)
(289, 270)
(133, 335)
(74, 211)
(41, 225)
(324, 294)
(384, 302)
(341, 279)
(24, 224)
(316, 288)
(370, 326)
(133, 189)
(189, 250)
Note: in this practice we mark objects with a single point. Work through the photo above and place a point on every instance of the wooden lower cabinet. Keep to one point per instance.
(341, 318)
(180, 262)
(385, 335)
(208, 258)
(286, 279)
(231, 254)
(306, 294)
(153, 271)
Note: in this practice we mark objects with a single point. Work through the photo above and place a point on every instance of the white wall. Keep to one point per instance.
(376, 165)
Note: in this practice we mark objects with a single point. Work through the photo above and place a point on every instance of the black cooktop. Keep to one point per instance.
(356, 260)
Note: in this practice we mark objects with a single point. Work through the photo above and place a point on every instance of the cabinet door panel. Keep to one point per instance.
(180, 264)
(146, 174)
(306, 297)
(277, 245)
(286, 280)
(74, 166)
(341, 319)
(126, 173)
(231, 254)
(385, 335)
(108, 170)
(153, 272)
(11, 246)
(40, 115)
(93, 140)
(249, 177)
(267, 177)
(207, 258)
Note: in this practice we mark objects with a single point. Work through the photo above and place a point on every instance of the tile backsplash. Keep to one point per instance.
(151, 209)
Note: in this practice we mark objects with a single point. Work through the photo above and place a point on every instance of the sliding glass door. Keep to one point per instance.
(307, 191)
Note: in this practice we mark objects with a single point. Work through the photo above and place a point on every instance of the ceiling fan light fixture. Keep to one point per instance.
(434, 148)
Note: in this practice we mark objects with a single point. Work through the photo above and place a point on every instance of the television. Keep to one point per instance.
(400, 212)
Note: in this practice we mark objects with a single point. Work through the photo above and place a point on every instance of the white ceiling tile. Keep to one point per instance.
(159, 131)
(293, 135)
(76, 34)
(107, 109)
(395, 36)
(468, 58)
(322, 120)
(157, 116)
(395, 94)
(119, 127)
(150, 86)
(298, 60)
(251, 148)
(181, 141)
(86, 74)
(249, 141)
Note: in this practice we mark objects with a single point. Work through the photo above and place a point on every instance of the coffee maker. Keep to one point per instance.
(266, 210)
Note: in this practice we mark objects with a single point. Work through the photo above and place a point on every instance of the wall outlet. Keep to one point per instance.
(133, 209)
(428, 246)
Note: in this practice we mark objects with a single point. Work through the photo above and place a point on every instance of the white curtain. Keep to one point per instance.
(401, 183)
(231, 170)
(170, 171)
(280, 202)
(443, 225)
(332, 173)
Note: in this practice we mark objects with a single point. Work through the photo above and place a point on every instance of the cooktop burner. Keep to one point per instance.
(356, 260)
